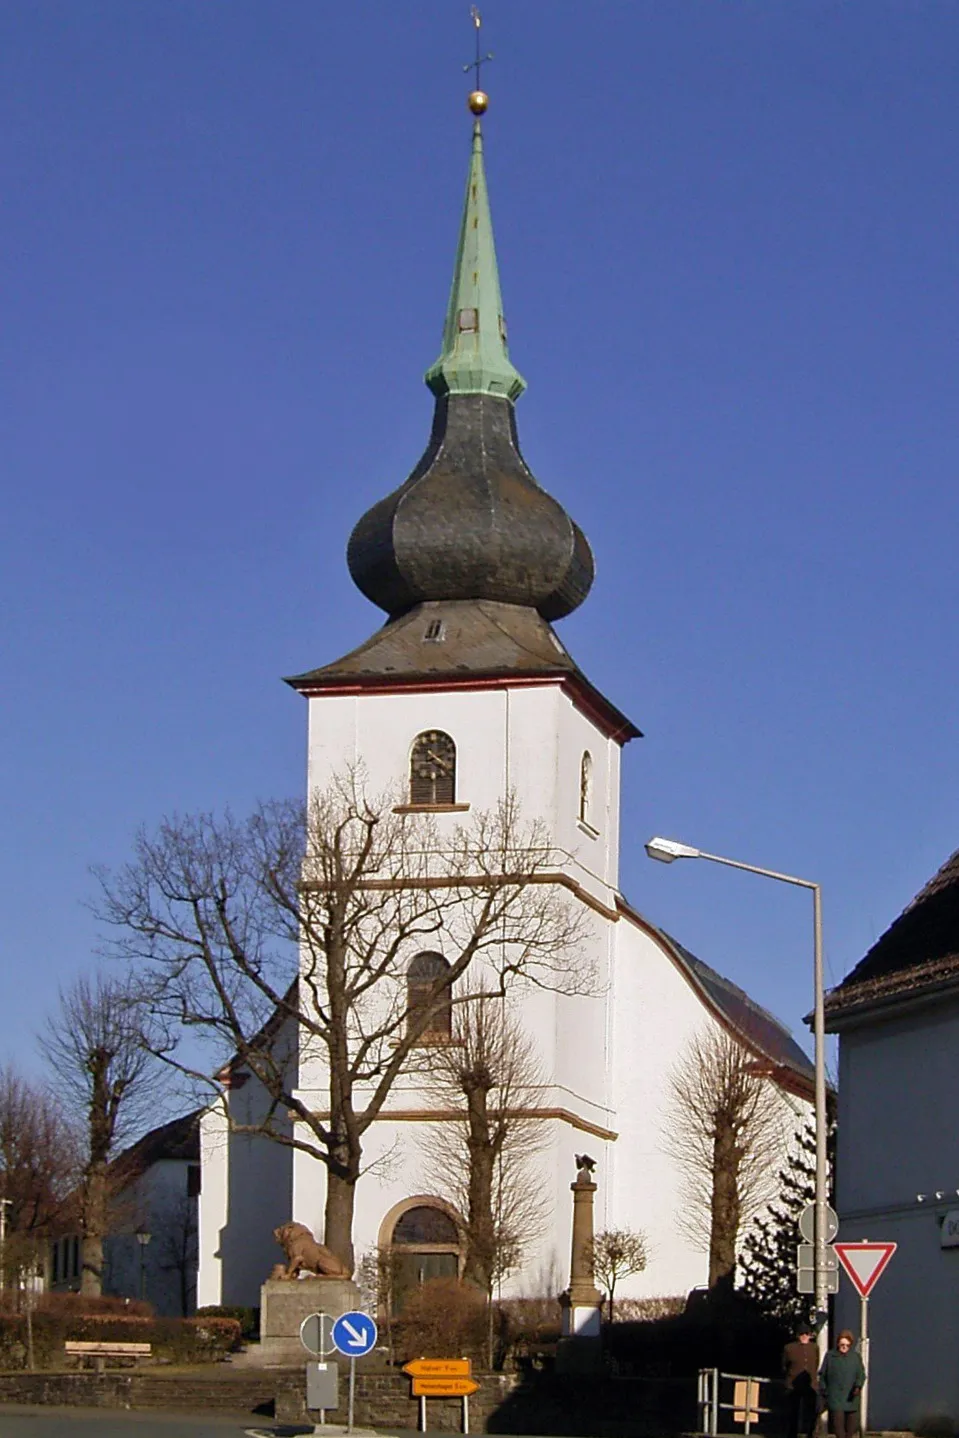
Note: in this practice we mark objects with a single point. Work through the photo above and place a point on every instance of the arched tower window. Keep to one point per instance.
(433, 769)
(421, 976)
(585, 787)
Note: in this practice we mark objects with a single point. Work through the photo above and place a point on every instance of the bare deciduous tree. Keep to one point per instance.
(485, 1164)
(38, 1168)
(614, 1254)
(726, 1130)
(215, 911)
(94, 1044)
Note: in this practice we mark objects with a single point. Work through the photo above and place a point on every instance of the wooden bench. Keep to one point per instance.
(100, 1352)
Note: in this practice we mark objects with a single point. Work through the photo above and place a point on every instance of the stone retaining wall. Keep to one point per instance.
(383, 1401)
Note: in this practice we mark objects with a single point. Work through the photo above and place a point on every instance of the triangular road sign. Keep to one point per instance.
(865, 1263)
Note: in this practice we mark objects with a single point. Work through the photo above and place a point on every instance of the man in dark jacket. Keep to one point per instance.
(800, 1366)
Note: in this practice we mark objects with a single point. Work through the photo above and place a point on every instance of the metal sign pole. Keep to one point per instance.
(864, 1351)
(422, 1414)
(349, 1420)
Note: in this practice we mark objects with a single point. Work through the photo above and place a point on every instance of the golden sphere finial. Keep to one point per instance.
(478, 102)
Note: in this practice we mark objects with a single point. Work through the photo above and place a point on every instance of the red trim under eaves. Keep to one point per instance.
(588, 700)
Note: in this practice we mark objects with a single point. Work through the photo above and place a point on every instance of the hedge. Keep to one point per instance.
(177, 1340)
(248, 1318)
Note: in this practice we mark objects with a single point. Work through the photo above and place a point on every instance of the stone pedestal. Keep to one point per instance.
(285, 1302)
(580, 1347)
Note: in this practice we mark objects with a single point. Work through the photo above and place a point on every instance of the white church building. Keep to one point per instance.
(467, 695)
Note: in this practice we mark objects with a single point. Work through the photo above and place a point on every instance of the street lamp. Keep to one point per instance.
(143, 1238)
(667, 851)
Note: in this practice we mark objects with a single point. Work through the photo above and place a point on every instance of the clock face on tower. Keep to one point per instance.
(433, 769)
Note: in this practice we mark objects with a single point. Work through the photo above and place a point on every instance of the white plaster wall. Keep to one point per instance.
(897, 1139)
(247, 1192)
(528, 739)
(212, 1206)
(655, 1013)
(893, 1082)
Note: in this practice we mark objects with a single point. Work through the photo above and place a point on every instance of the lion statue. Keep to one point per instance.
(305, 1255)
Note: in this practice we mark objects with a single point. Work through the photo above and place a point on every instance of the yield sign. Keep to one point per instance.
(865, 1263)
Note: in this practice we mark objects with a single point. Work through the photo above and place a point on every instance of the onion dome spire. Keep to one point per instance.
(471, 522)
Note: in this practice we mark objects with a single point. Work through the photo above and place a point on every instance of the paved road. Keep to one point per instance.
(46, 1422)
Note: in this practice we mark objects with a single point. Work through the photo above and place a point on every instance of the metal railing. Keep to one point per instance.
(744, 1405)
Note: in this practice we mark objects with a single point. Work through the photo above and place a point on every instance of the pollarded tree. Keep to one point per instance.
(97, 1045)
(616, 1254)
(725, 1129)
(213, 913)
(768, 1260)
(485, 1163)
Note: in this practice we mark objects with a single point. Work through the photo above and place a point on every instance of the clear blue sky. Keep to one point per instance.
(727, 240)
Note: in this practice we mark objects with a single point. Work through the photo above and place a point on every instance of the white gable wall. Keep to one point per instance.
(897, 1140)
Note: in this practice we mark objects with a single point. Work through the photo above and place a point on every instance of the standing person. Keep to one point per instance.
(800, 1366)
(840, 1382)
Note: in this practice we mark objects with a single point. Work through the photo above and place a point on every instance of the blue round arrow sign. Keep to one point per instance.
(354, 1334)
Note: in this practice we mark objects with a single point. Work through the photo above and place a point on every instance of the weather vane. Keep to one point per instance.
(478, 100)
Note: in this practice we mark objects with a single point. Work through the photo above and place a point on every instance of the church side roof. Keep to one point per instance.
(758, 1029)
(917, 954)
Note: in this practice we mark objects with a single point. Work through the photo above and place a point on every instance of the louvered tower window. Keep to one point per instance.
(421, 977)
(433, 769)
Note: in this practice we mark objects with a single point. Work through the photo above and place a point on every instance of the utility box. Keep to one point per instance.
(322, 1386)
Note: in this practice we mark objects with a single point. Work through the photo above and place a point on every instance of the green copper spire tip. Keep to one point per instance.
(475, 357)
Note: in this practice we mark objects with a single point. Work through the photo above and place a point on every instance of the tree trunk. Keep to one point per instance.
(726, 1207)
(481, 1225)
(94, 1229)
(338, 1221)
(91, 1265)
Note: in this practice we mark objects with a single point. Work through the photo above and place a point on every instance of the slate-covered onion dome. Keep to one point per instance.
(471, 522)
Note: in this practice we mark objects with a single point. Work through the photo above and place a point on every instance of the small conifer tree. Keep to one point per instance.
(768, 1261)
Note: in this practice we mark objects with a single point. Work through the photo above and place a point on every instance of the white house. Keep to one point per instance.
(465, 696)
(151, 1250)
(897, 1017)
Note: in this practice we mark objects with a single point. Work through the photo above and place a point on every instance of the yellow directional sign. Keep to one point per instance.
(438, 1368)
(444, 1387)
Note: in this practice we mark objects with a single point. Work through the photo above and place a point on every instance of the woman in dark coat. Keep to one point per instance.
(840, 1383)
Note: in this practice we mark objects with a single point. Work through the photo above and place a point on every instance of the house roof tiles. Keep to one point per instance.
(918, 953)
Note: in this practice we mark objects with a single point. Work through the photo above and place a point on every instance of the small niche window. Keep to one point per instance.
(468, 320)
(424, 972)
(434, 632)
(585, 787)
(433, 769)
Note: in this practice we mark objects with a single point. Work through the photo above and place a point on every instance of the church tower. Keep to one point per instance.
(472, 562)
(467, 695)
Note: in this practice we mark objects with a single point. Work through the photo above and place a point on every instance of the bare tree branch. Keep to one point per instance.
(614, 1254)
(725, 1129)
(486, 1163)
(282, 942)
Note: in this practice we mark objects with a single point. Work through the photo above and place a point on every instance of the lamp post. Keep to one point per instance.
(143, 1238)
(667, 851)
(5, 1203)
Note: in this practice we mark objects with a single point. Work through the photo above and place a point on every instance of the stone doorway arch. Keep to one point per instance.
(422, 1238)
